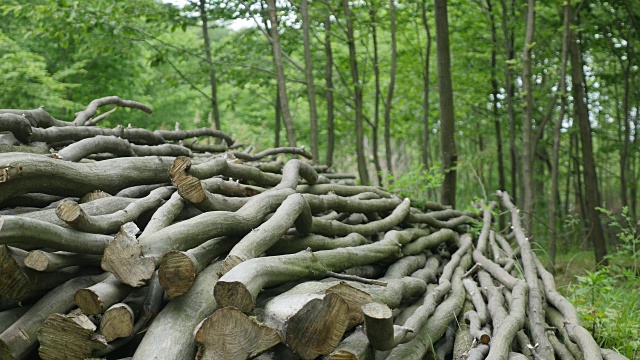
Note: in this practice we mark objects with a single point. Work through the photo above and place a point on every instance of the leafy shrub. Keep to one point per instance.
(418, 183)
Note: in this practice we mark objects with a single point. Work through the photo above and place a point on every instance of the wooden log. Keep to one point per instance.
(335, 228)
(273, 151)
(71, 213)
(8, 317)
(185, 134)
(117, 322)
(576, 332)
(19, 339)
(85, 115)
(482, 336)
(437, 324)
(289, 244)
(340, 190)
(69, 336)
(133, 261)
(294, 210)
(535, 313)
(230, 334)
(15, 229)
(94, 300)
(24, 173)
(178, 269)
(40, 260)
(355, 347)
(240, 286)
(95, 145)
(37, 117)
(476, 297)
(170, 335)
(504, 335)
(464, 340)
(378, 323)
(18, 282)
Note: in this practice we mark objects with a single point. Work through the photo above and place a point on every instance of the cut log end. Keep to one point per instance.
(378, 322)
(14, 283)
(70, 212)
(355, 299)
(123, 258)
(37, 260)
(230, 334)
(343, 355)
(117, 322)
(177, 273)
(235, 294)
(180, 165)
(229, 263)
(318, 327)
(69, 337)
(190, 188)
(94, 195)
(89, 302)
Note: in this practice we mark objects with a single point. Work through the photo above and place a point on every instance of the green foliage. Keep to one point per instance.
(627, 232)
(26, 81)
(418, 183)
(607, 301)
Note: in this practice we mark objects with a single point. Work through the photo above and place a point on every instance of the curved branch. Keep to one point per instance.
(83, 116)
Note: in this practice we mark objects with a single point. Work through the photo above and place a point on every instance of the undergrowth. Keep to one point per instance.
(608, 298)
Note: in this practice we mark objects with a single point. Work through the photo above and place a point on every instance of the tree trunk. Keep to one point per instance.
(426, 155)
(278, 119)
(308, 70)
(212, 72)
(590, 177)
(555, 162)
(508, 46)
(282, 82)
(527, 118)
(328, 76)
(376, 114)
(392, 83)
(494, 94)
(447, 119)
(362, 161)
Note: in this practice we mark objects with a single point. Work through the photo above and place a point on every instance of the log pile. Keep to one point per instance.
(129, 243)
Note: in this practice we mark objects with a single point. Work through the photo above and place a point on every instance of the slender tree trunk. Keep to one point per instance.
(508, 46)
(555, 162)
(362, 163)
(502, 185)
(447, 120)
(527, 117)
(376, 115)
(308, 70)
(392, 82)
(426, 154)
(278, 119)
(282, 84)
(624, 151)
(212, 73)
(590, 176)
(328, 78)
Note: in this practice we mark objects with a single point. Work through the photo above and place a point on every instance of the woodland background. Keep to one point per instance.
(542, 100)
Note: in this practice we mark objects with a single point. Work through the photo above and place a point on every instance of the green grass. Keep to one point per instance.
(607, 299)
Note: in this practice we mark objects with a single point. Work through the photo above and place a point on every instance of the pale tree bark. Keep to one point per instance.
(328, 76)
(392, 82)
(555, 162)
(590, 178)
(508, 46)
(362, 161)
(447, 119)
(376, 114)
(426, 155)
(502, 184)
(527, 116)
(212, 72)
(308, 70)
(282, 84)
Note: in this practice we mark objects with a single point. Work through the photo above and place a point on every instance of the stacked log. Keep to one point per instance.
(129, 243)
